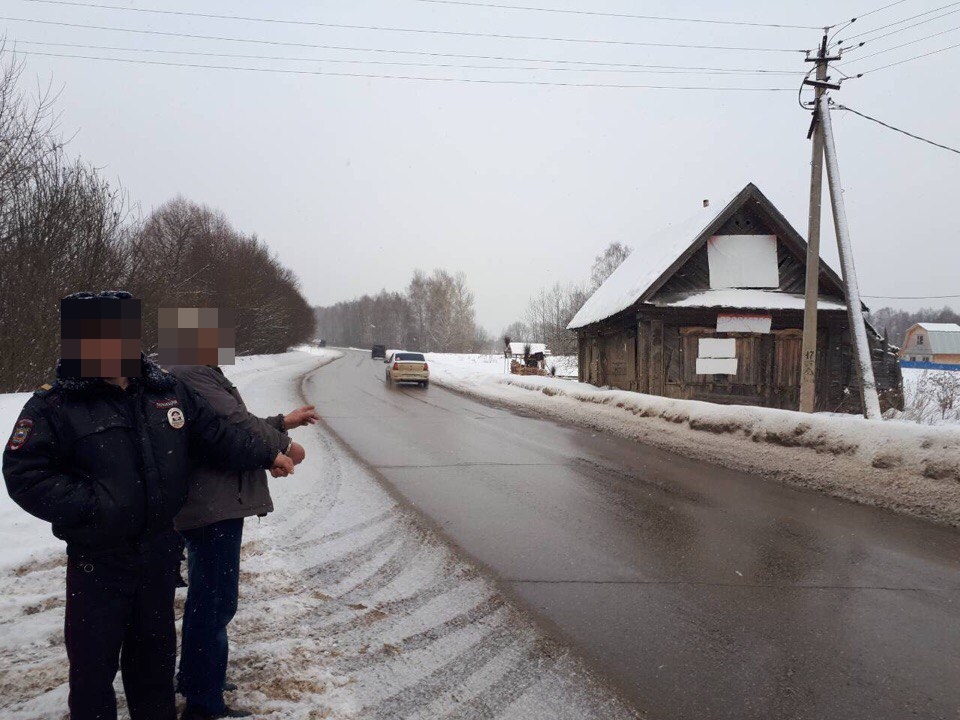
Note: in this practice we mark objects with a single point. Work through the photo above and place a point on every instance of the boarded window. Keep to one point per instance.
(743, 261)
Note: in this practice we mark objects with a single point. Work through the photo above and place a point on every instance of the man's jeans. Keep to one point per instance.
(213, 566)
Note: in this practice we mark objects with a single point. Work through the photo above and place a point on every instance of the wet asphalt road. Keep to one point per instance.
(701, 592)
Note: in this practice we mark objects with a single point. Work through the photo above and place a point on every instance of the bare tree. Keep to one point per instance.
(608, 261)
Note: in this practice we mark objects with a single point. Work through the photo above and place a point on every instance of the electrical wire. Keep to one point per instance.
(910, 297)
(909, 59)
(909, 27)
(349, 48)
(652, 69)
(900, 22)
(902, 45)
(286, 71)
(595, 13)
(885, 7)
(381, 28)
(891, 127)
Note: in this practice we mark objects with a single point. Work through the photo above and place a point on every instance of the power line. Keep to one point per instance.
(900, 22)
(851, 21)
(381, 28)
(349, 48)
(630, 16)
(904, 29)
(901, 45)
(909, 134)
(884, 7)
(909, 59)
(652, 69)
(910, 297)
(285, 71)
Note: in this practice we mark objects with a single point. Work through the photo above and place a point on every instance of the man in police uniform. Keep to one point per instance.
(105, 458)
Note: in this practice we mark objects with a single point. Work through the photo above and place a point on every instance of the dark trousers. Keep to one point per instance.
(213, 566)
(119, 614)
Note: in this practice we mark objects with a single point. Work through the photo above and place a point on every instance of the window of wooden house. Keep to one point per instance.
(919, 339)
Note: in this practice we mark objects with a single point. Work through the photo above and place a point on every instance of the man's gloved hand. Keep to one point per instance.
(296, 453)
(282, 466)
(305, 415)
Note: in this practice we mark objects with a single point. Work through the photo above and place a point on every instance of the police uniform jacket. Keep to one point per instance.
(108, 466)
(216, 494)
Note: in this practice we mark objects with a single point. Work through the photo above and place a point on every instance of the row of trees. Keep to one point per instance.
(551, 310)
(434, 314)
(63, 229)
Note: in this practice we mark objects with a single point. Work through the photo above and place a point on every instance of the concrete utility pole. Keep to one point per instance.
(858, 328)
(808, 354)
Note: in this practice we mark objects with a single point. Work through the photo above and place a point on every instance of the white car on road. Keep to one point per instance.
(407, 367)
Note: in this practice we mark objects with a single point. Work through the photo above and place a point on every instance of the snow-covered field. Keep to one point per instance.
(349, 607)
(905, 466)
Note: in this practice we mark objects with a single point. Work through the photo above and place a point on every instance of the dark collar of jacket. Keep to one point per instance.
(151, 377)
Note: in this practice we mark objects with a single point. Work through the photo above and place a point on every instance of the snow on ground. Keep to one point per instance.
(349, 607)
(903, 466)
(931, 397)
(566, 365)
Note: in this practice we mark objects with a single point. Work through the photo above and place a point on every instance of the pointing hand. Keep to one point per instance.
(305, 415)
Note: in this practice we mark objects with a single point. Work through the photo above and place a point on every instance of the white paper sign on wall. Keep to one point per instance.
(743, 261)
(744, 323)
(716, 366)
(717, 348)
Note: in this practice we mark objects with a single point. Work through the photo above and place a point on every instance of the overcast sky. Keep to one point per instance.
(355, 182)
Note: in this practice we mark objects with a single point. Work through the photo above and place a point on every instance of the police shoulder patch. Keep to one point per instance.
(21, 433)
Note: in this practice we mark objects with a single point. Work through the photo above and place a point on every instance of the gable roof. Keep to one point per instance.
(944, 338)
(940, 327)
(661, 254)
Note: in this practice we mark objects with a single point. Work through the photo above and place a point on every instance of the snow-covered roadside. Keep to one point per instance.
(349, 608)
(465, 363)
(902, 466)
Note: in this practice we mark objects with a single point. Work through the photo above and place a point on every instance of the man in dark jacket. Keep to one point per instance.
(211, 522)
(106, 461)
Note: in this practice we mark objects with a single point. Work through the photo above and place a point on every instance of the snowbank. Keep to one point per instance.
(906, 467)
(349, 607)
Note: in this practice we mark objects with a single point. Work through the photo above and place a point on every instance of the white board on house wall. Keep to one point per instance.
(717, 348)
(744, 323)
(743, 261)
(716, 366)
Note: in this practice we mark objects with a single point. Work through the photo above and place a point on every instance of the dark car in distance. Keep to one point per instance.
(379, 351)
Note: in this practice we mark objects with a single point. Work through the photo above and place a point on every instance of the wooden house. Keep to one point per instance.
(937, 343)
(712, 309)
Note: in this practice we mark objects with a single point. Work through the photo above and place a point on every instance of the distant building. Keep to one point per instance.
(518, 349)
(932, 343)
(712, 309)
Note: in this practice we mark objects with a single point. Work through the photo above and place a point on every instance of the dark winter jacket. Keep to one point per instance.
(109, 467)
(216, 495)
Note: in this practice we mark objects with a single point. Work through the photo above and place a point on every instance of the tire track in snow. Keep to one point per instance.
(350, 608)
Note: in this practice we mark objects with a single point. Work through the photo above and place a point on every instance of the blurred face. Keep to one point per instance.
(100, 337)
(196, 336)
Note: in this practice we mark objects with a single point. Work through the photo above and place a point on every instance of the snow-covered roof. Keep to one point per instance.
(516, 348)
(942, 338)
(745, 299)
(653, 256)
(940, 327)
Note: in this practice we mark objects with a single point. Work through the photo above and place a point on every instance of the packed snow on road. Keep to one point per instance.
(349, 607)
